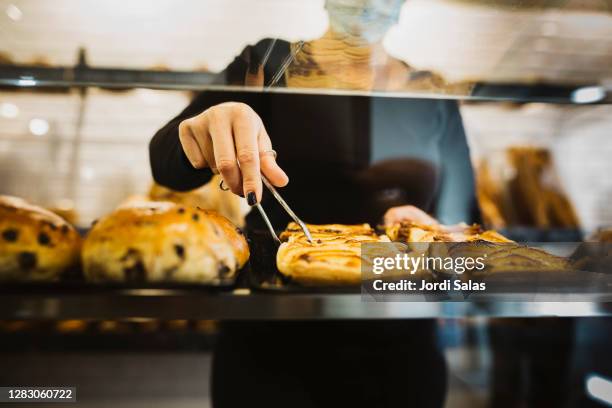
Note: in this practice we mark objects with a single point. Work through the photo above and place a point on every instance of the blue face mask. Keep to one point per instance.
(368, 20)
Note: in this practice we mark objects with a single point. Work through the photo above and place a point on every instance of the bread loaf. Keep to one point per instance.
(163, 241)
(35, 244)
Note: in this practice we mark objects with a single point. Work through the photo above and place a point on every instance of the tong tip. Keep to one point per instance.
(306, 231)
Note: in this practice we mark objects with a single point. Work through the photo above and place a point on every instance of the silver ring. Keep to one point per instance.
(271, 151)
(222, 186)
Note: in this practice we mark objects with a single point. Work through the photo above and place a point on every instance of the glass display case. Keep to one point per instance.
(524, 52)
(532, 80)
(85, 85)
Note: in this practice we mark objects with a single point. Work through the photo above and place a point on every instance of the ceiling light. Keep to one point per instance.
(588, 94)
(8, 110)
(13, 12)
(26, 81)
(39, 127)
(599, 388)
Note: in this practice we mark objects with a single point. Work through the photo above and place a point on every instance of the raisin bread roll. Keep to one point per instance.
(163, 241)
(35, 244)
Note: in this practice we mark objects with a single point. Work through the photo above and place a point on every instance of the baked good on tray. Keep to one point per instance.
(35, 244)
(333, 258)
(603, 234)
(502, 254)
(410, 232)
(595, 254)
(209, 197)
(162, 241)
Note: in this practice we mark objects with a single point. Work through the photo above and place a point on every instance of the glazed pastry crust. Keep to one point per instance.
(410, 232)
(503, 254)
(163, 241)
(334, 257)
(35, 244)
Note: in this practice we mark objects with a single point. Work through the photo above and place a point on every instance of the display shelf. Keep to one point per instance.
(243, 304)
(79, 76)
(26, 76)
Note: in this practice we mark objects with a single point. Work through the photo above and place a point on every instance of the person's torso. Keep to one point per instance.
(349, 158)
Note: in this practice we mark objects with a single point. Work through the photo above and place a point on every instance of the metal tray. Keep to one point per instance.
(540, 285)
(264, 276)
(76, 283)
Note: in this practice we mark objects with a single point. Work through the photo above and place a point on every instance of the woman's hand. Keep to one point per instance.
(227, 134)
(408, 213)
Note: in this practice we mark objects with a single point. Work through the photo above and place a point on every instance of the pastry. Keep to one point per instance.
(595, 254)
(35, 244)
(527, 191)
(163, 241)
(208, 197)
(462, 240)
(333, 258)
(410, 232)
(603, 235)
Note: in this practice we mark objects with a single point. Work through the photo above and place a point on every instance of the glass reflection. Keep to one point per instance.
(350, 55)
(444, 47)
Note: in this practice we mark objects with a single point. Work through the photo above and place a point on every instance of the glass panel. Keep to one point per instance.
(509, 49)
(61, 151)
(540, 167)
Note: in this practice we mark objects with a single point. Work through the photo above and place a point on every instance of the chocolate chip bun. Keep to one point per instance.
(162, 241)
(35, 244)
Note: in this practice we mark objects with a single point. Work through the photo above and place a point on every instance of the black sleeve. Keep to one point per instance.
(169, 164)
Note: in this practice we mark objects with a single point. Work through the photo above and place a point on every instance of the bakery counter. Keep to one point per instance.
(37, 303)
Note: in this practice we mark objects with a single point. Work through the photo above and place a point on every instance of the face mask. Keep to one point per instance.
(368, 20)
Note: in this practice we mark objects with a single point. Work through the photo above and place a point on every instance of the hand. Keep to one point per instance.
(408, 213)
(225, 135)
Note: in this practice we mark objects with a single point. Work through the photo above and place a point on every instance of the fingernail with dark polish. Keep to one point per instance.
(251, 198)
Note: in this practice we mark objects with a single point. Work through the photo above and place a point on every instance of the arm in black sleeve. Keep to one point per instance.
(169, 164)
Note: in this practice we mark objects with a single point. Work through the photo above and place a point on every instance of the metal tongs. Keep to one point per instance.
(275, 78)
(286, 207)
(283, 204)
